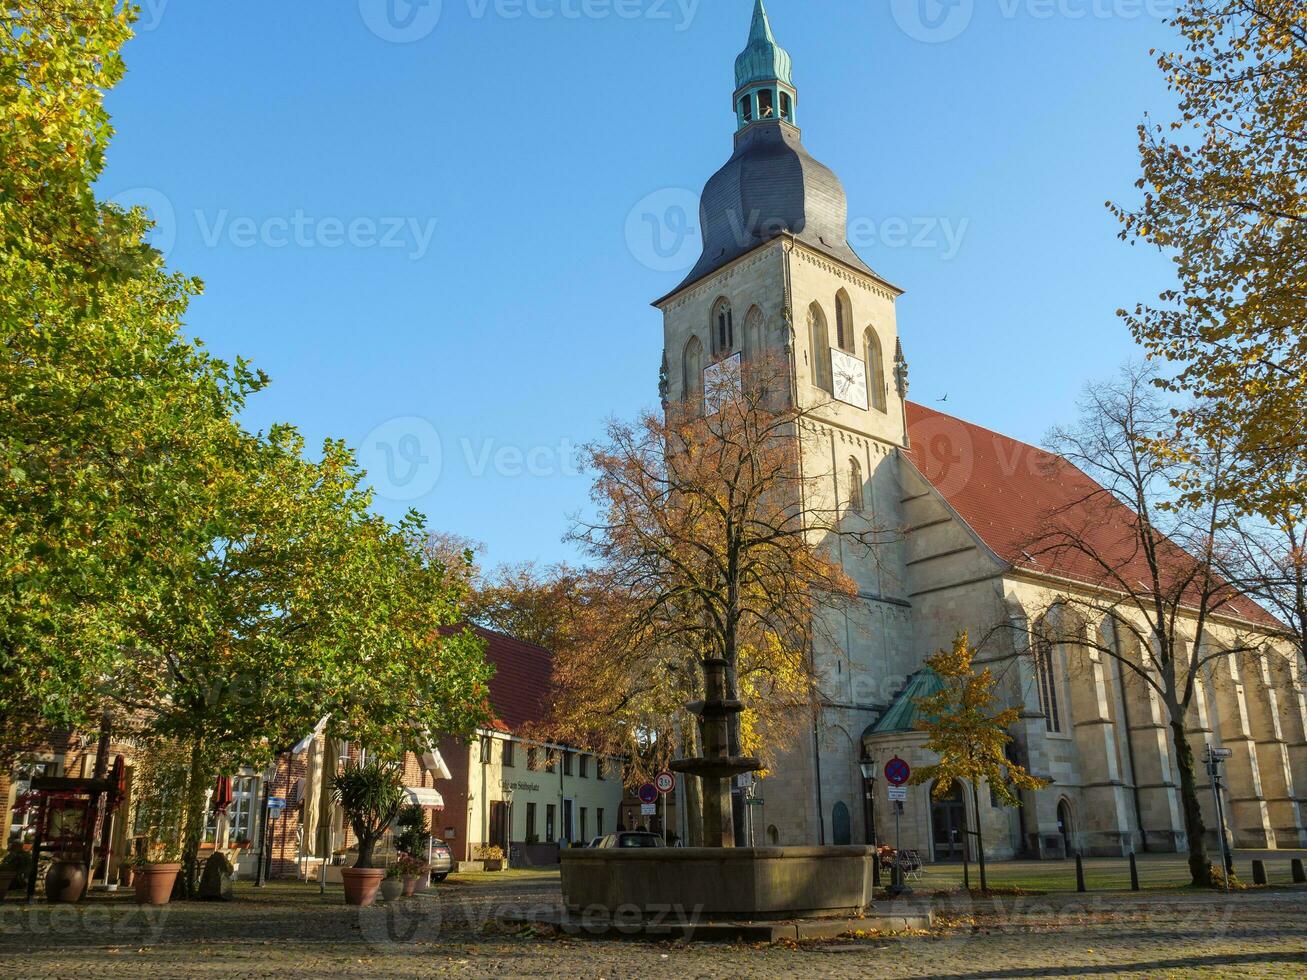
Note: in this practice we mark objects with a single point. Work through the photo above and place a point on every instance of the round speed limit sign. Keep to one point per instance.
(665, 783)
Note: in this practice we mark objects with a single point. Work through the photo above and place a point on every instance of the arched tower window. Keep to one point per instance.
(856, 500)
(875, 370)
(820, 341)
(723, 329)
(753, 338)
(1046, 677)
(844, 322)
(692, 375)
(766, 103)
(787, 107)
(746, 108)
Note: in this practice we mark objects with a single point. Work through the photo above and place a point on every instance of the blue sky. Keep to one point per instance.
(424, 222)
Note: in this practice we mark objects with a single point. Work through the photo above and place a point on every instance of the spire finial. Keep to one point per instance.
(763, 59)
(761, 29)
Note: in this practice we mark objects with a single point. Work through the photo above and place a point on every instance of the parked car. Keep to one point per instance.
(442, 860)
(633, 838)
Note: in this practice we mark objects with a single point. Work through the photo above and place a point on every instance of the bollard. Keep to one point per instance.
(1080, 874)
(1259, 872)
(1134, 873)
(1299, 874)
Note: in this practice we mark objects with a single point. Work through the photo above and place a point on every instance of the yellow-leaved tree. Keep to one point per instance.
(968, 731)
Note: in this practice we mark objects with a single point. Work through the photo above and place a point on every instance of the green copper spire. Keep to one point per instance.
(763, 60)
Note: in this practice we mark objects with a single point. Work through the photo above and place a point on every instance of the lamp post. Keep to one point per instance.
(868, 767)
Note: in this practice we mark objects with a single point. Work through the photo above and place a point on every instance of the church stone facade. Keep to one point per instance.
(778, 276)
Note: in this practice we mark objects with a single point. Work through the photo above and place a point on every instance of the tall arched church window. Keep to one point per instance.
(1046, 677)
(753, 339)
(723, 329)
(746, 108)
(875, 370)
(856, 500)
(692, 371)
(766, 104)
(820, 343)
(844, 322)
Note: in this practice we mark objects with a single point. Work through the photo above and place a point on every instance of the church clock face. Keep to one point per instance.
(850, 377)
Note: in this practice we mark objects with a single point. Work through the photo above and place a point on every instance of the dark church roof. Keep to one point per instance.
(770, 187)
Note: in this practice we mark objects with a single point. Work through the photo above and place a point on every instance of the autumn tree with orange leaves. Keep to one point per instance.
(711, 542)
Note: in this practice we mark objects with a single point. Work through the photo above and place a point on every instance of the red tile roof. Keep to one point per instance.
(521, 682)
(1012, 494)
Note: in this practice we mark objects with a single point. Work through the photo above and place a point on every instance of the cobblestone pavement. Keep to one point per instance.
(290, 931)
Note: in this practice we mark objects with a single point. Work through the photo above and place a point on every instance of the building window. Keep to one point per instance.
(875, 370)
(1046, 678)
(599, 822)
(844, 322)
(599, 769)
(585, 767)
(567, 763)
(551, 816)
(551, 761)
(692, 376)
(820, 342)
(531, 835)
(240, 815)
(723, 329)
(787, 107)
(533, 758)
(25, 823)
(487, 749)
(855, 486)
(507, 755)
(585, 826)
(746, 108)
(766, 103)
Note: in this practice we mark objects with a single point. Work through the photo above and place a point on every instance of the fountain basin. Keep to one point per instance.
(707, 884)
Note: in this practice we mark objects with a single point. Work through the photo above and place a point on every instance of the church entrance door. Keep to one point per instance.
(948, 820)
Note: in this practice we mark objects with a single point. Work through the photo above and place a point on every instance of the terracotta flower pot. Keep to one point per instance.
(7, 879)
(392, 889)
(65, 882)
(154, 883)
(411, 886)
(361, 885)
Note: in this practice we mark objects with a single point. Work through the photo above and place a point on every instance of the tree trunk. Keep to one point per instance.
(1200, 865)
(980, 836)
(693, 795)
(196, 781)
(367, 846)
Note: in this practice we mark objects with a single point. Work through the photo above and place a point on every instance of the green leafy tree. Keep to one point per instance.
(969, 733)
(1225, 195)
(113, 424)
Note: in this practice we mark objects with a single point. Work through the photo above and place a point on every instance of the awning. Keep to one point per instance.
(425, 796)
(434, 763)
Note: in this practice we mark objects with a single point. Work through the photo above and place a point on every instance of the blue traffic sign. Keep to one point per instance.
(897, 772)
(649, 793)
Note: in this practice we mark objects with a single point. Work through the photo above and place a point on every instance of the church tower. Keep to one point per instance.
(778, 276)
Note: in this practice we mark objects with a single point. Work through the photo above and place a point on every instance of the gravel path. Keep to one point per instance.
(290, 931)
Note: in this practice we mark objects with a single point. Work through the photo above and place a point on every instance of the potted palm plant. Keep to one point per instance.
(371, 795)
(155, 874)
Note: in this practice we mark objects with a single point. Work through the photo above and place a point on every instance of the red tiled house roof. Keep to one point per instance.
(521, 682)
(1012, 494)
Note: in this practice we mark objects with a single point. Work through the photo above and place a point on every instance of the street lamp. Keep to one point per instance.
(868, 767)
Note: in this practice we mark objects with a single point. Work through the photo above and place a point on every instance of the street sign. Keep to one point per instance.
(648, 809)
(1220, 753)
(648, 793)
(897, 772)
(275, 805)
(665, 783)
(898, 794)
